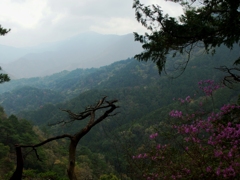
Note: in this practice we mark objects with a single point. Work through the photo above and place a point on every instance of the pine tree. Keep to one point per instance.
(204, 23)
(3, 77)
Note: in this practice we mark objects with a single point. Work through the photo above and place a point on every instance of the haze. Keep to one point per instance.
(40, 30)
(33, 22)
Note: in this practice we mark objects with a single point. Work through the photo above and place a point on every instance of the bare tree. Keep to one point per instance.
(232, 76)
(90, 112)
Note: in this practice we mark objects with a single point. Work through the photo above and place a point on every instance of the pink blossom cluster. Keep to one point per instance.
(224, 141)
(153, 136)
(214, 117)
(208, 86)
(181, 100)
(140, 156)
(176, 114)
(187, 129)
(229, 133)
(174, 177)
(160, 152)
(228, 172)
(228, 108)
(210, 143)
(161, 147)
(152, 176)
(157, 155)
(180, 115)
(187, 99)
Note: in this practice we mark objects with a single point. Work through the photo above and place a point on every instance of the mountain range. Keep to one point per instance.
(85, 50)
(145, 99)
(132, 82)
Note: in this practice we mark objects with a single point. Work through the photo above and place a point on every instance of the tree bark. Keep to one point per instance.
(74, 139)
(72, 157)
(17, 175)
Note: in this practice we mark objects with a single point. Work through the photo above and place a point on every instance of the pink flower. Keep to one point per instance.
(188, 99)
(208, 86)
(208, 169)
(153, 136)
(218, 171)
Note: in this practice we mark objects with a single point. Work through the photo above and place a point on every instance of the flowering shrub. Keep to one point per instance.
(205, 146)
(208, 86)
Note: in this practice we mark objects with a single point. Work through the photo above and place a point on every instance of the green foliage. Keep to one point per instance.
(50, 175)
(91, 164)
(127, 78)
(63, 83)
(145, 101)
(108, 177)
(3, 31)
(3, 150)
(28, 98)
(137, 86)
(5, 163)
(19, 131)
(3, 77)
(211, 24)
(198, 143)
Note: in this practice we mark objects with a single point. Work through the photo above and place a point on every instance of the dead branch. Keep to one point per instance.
(232, 76)
(101, 104)
(74, 139)
(47, 141)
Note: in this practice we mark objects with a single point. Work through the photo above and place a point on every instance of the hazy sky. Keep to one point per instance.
(39, 21)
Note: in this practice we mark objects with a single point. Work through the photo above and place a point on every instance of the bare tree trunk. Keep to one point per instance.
(17, 175)
(89, 112)
(72, 157)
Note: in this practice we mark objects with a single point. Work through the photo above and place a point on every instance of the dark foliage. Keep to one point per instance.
(3, 77)
(205, 23)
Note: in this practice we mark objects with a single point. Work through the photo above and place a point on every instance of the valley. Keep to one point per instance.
(145, 99)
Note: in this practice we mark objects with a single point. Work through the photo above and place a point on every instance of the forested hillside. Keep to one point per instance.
(28, 98)
(128, 75)
(145, 99)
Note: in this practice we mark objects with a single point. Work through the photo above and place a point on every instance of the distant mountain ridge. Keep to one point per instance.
(83, 51)
(140, 79)
(144, 98)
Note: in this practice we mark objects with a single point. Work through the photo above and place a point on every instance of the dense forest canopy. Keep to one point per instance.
(145, 101)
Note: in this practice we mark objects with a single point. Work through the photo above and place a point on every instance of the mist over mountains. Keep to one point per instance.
(82, 51)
